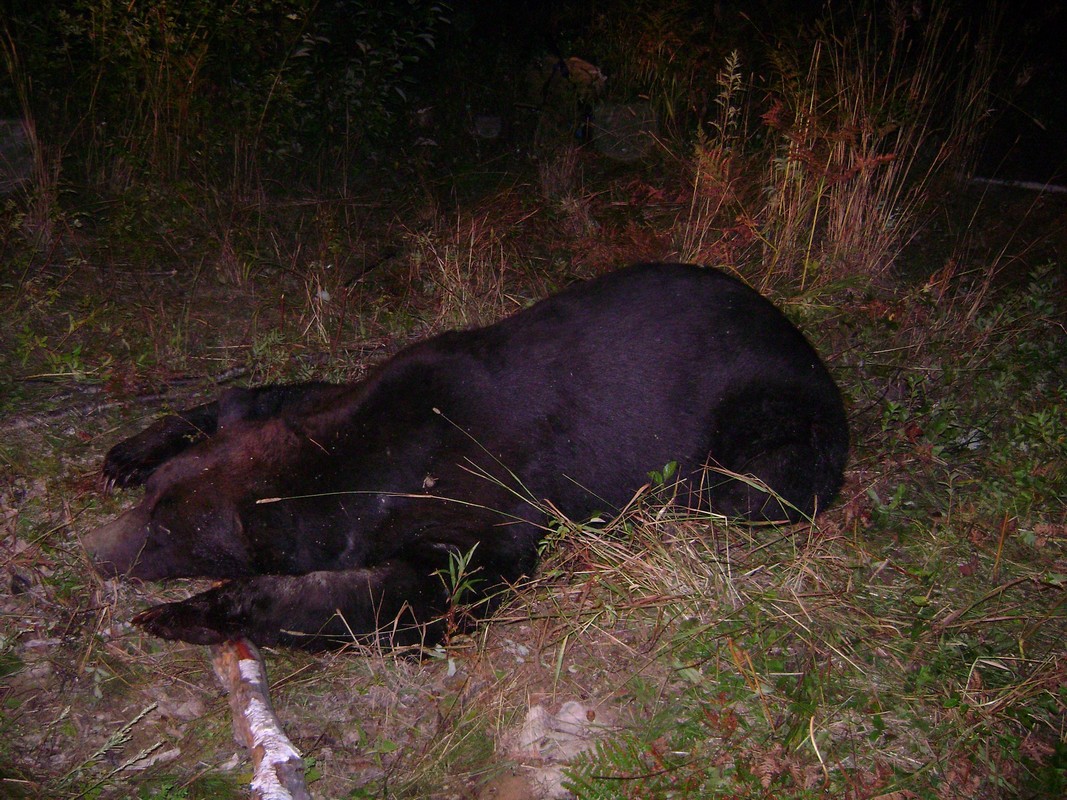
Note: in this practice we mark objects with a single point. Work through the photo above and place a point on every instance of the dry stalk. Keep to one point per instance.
(465, 271)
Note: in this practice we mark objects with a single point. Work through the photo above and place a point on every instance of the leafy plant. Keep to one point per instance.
(183, 89)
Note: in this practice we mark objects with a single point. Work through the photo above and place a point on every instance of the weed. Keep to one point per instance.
(463, 272)
(326, 303)
(34, 172)
(116, 740)
(204, 787)
(846, 149)
(716, 161)
(558, 173)
(460, 581)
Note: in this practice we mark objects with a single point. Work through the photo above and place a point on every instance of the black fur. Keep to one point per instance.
(336, 510)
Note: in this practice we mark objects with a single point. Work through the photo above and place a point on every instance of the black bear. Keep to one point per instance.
(335, 511)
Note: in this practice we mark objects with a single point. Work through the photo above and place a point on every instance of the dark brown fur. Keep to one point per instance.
(336, 511)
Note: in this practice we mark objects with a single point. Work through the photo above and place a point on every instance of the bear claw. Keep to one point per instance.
(181, 622)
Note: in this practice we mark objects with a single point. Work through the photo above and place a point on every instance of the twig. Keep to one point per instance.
(277, 767)
(88, 408)
(1032, 186)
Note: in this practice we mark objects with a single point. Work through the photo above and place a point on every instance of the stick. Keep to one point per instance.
(1033, 186)
(277, 768)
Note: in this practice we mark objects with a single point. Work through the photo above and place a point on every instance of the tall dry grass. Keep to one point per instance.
(854, 130)
(460, 269)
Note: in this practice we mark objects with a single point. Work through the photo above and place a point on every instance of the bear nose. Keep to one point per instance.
(116, 547)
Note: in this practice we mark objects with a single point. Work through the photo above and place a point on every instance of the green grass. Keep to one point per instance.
(910, 640)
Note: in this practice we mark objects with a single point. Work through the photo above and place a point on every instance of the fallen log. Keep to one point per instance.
(277, 767)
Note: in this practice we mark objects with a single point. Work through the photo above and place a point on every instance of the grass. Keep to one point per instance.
(908, 643)
(872, 653)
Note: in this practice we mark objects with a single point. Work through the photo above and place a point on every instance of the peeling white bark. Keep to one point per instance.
(278, 768)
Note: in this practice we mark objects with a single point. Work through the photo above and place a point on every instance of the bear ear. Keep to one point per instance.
(234, 405)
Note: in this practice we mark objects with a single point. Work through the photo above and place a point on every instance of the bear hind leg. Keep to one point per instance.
(794, 445)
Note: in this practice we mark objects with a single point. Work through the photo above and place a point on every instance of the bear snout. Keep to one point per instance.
(117, 548)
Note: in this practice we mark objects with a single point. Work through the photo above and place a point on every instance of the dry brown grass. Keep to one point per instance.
(461, 271)
(853, 138)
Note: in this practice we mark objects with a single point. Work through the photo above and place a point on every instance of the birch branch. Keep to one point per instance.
(277, 767)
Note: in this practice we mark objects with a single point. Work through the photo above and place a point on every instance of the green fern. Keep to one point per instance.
(615, 768)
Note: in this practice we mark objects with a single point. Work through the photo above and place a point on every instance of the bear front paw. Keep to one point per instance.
(130, 462)
(125, 466)
(192, 620)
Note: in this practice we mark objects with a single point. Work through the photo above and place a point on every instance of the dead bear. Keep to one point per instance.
(334, 511)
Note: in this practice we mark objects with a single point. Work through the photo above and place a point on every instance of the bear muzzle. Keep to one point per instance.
(118, 548)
